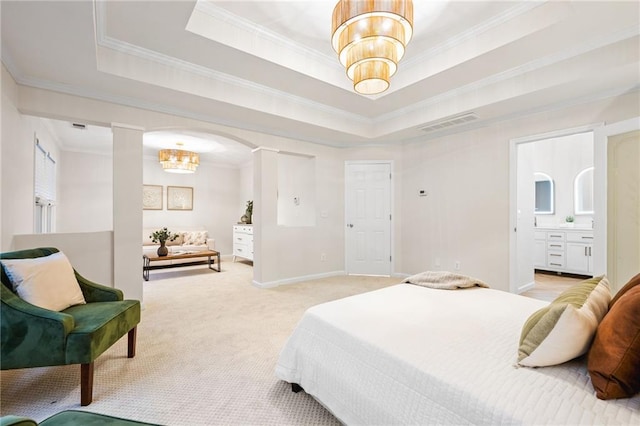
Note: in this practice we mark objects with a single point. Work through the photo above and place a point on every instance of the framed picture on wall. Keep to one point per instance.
(152, 197)
(179, 198)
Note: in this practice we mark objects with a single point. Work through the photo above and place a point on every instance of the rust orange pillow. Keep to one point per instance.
(614, 357)
(628, 286)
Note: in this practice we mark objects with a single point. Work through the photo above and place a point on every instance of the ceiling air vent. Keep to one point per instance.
(456, 120)
(78, 126)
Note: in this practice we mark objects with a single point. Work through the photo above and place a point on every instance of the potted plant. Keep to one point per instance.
(162, 236)
(569, 220)
(246, 217)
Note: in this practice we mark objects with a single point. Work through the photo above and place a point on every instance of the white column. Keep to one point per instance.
(127, 210)
(265, 215)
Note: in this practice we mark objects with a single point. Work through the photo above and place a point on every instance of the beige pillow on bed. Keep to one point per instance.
(564, 330)
(48, 282)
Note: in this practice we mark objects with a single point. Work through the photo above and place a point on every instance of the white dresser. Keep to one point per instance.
(564, 250)
(243, 242)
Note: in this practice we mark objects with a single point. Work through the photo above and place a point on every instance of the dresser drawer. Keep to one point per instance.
(242, 238)
(243, 229)
(241, 250)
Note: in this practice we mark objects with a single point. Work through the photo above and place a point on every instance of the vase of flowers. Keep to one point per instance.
(162, 236)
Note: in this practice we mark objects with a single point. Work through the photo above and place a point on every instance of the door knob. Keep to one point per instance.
(350, 225)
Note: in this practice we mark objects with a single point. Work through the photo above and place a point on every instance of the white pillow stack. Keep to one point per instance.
(564, 329)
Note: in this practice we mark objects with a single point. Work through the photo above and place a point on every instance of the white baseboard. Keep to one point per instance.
(271, 284)
(400, 275)
(525, 287)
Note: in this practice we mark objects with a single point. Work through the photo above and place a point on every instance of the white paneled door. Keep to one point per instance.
(368, 218)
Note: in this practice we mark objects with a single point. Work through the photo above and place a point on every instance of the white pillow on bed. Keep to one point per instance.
(48, 282)
(564, 330)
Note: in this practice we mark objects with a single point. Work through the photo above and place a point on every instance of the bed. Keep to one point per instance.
(413, 355)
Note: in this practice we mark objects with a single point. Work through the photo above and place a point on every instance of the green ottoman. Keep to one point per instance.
(71, 418)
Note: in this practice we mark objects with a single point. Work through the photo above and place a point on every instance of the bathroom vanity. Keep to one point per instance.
(567, 250)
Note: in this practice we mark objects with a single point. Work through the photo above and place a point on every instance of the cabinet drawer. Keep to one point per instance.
(555, 245)
(241, 250)
(555, 259)
(243, 229)
(555, 236)
(242, 238)
(580, 237)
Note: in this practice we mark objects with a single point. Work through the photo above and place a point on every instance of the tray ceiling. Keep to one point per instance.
(268, 65)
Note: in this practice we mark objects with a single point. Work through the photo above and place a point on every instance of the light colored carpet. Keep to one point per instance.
(207, 347)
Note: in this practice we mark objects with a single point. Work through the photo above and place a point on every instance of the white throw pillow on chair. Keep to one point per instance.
(48, 282)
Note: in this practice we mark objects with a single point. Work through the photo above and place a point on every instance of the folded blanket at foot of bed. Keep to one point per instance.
(444, 280)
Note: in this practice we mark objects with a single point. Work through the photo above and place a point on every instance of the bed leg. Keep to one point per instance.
(295, 388)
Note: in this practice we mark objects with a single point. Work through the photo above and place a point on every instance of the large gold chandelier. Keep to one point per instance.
(178, 160)
(370, 37)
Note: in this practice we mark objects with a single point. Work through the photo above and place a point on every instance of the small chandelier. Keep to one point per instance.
(178, 160)
(370, 38)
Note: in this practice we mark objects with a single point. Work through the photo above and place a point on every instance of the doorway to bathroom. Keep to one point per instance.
(553, 212)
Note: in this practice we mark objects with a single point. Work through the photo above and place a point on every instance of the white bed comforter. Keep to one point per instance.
(413, 355)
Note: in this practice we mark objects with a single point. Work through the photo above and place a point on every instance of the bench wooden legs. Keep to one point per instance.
(131, 351)
(86, 384)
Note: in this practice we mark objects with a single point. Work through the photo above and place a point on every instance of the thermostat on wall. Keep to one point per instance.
(422, 193)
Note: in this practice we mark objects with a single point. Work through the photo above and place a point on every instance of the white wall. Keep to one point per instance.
(245, 191)
(215, 201)
(89, 177)
(17, 177)
(296, 190)
(563, 158)
(85, 192)
(466, 215)
(289, 252)
(90, 253)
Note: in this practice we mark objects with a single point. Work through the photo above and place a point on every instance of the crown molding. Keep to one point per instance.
(245, 25)
(473, 32)
(188, 67)
(130, 49)
(528, 67)
(160, 108)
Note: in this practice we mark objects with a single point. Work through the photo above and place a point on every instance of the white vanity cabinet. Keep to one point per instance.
(580, 252)
(540, 250)
(564, 250)
(243, 242)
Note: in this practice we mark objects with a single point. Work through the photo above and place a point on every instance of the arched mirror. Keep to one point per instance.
(544, 193)
(583, 192)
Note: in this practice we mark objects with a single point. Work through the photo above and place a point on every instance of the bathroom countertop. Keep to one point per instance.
(564, 228)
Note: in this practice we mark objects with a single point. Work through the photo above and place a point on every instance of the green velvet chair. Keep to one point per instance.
(35, 337)
(71, 418)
